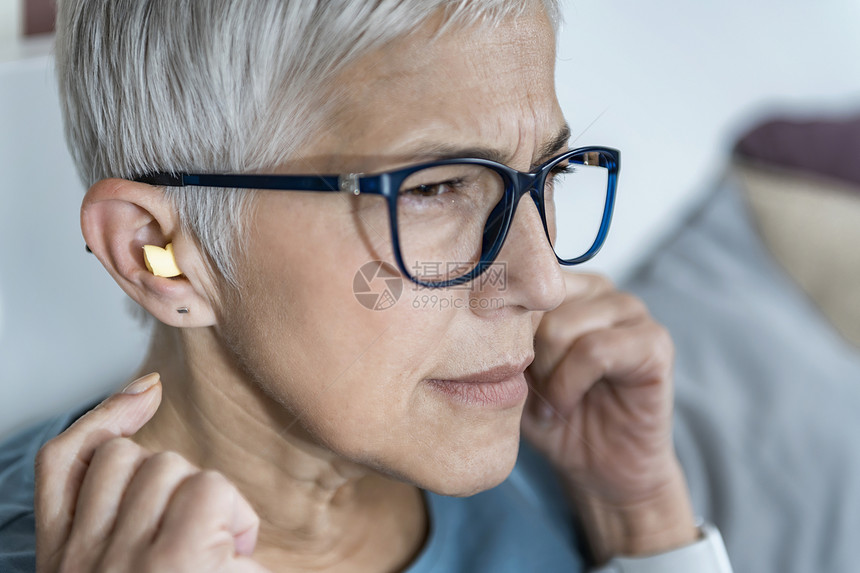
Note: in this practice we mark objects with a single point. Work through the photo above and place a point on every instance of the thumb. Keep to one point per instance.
(62, 463)
(120, 414)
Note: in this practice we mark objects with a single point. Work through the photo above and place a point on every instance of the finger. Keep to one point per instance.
(569, 322)
(145, 501)
(584, 285)
(639, 355)
(62, 463)
(111, 469)
(209, 514)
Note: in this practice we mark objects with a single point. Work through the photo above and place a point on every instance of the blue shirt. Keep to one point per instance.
(522, 525)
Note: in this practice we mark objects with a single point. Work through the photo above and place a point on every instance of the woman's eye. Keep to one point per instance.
(431, 190)
(559, 171)
(562, 170)
(426, 190)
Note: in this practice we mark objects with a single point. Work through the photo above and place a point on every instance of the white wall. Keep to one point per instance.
(669, 82)
(64, 329)
(672, 82)
(10, 20)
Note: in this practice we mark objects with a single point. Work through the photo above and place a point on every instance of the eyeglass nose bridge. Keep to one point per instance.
(526, 182)
(529, 183)
(519, 183)
(502, 216)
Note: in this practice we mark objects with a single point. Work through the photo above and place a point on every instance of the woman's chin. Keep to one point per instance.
(450, 453)
(471, 472)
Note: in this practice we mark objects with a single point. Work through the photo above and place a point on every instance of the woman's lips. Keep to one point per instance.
(501, 387)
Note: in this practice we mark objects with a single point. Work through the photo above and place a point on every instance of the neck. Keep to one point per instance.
(317, 510)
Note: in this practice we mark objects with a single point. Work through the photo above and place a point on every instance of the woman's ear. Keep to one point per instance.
(118, 218)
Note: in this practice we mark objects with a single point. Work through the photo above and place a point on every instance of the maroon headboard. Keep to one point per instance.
(39, 16)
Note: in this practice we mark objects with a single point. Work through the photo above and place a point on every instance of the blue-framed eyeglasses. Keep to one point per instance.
(448, 219)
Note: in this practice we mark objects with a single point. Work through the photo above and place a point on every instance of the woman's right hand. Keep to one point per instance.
(103, 503)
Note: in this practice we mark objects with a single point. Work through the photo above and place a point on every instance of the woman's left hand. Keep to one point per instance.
(600, 408)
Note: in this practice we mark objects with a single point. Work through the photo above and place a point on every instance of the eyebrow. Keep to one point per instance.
(442, 151)
(553, 147)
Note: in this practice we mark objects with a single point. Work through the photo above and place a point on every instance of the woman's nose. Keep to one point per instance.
(533, 276)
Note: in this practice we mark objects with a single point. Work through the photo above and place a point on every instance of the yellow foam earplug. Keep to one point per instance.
(161, 262)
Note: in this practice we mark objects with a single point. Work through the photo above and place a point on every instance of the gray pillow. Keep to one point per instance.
(767, 396)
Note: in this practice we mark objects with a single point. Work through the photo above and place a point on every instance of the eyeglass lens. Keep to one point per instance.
(449, 216)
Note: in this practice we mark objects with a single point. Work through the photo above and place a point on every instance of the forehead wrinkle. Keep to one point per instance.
(430, 148)
(386, 72)
(538, 133)
(512, 125)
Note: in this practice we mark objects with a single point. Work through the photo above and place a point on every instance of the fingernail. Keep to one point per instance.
(142, 384)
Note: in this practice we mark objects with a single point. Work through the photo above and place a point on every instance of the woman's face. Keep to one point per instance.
(395, 389)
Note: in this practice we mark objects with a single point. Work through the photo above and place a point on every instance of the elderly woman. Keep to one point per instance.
(361, 308)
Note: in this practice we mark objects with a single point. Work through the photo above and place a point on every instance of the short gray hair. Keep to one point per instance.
(218, 86)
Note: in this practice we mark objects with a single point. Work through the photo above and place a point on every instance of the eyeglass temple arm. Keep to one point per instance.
(282, 182)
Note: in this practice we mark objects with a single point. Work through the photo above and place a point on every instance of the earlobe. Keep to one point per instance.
(127, 225)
